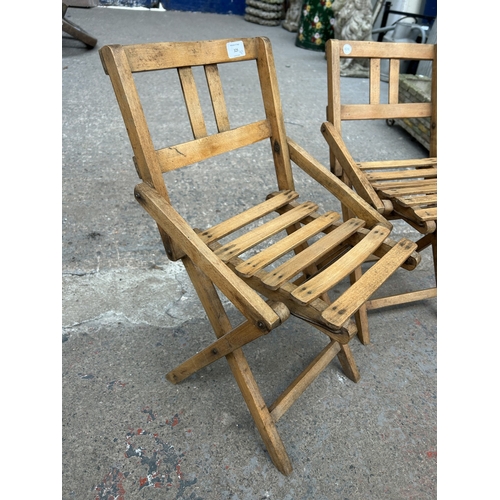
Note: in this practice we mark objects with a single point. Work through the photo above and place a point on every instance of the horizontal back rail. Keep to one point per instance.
(187, 153)
(384, 50)
(167, 55)
(385, 111)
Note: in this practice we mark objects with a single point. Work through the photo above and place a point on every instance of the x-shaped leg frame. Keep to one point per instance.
(229, 342)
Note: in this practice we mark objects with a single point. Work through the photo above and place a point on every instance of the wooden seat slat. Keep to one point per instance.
(420, 185)
(360, 292)
(269, 255)
(415, 201)
(238, 221)
(419, 162)
(401, 174)
(329, 277)
(265, 231)
(312, 254)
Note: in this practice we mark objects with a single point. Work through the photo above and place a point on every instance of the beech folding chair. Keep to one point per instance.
(293, 275)
(398, 189)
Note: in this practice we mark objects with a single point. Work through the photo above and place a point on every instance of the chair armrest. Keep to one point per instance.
(341, 191)
(349, 166)
(235, 289)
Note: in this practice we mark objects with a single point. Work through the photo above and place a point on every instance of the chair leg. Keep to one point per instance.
(434, 255)
(361, 316)
(345, 356)
(75, 31)
(259, 411)
(241, 370)
(348, 364)
(226, 344)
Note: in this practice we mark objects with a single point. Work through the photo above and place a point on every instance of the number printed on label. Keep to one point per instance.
(235, 49)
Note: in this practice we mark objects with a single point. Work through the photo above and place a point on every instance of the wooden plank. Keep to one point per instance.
(328, 278)
(374, 81)
(385, 111)
(384, 50)
(358, 293)
(240, 369)
(252, 214)
(419, 162)
(77, 32)
(401, 174)
(402, 298)
(393, 81)
(264, 258)
(165, 55)
(191, 152)
(414, 201)
(424, 223)
(272, 105)
(227, 343)
(115, 62)
(331, 183)
(333, 111)
(217, 95)
(426, 214)
(259, 234)
(333, 107)
(312, 254)
(304, 380)
(347, 359)
(192, 101)
(407, 190)
(259, 411)
(434, 101)
(244, 298)
(413, 185)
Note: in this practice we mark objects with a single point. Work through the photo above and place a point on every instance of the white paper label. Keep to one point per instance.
(347, 49)
(235, 49)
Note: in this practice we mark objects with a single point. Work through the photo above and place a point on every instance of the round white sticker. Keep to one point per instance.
(347, 49)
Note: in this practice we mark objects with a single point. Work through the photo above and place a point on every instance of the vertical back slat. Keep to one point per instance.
(192, 100)
(374, 81)
(217, 96)
(394, 81)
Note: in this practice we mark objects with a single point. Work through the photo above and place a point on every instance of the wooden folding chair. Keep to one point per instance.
(398, 189)
(313, 252)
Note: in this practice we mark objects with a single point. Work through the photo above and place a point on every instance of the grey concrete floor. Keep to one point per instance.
(130, 315)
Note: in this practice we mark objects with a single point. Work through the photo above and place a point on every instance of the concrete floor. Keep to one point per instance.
(130, 315)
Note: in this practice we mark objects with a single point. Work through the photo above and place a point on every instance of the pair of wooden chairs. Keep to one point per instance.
(278, 258)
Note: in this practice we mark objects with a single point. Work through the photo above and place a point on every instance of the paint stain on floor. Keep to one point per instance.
(150, 462)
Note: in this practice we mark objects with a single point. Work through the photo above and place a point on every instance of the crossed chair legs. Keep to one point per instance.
(229, 343)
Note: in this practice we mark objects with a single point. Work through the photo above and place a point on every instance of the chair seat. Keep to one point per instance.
(409, 185)
(313, 253)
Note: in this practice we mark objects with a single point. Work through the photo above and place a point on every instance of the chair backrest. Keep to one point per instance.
(121, 62)
(377, 107)
(185, 60)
